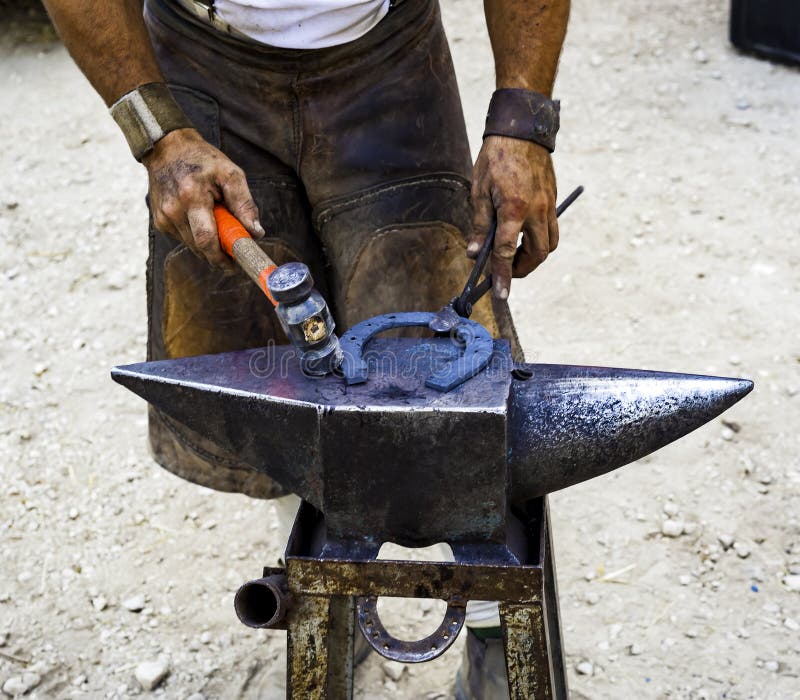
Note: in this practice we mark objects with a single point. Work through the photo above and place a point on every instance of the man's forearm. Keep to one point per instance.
(526, 41)
(109, 42)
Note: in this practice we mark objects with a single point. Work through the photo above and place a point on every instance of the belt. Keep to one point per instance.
(205, 11)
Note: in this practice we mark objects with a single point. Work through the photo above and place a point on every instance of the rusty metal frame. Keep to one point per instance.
(321, 623)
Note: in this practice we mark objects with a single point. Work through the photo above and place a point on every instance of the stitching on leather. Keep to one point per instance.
(327, 210)
(215, 460)
(274, 182)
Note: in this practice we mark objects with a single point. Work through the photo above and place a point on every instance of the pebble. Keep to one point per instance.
(742, 103)
(691, 633)
(670, 508)
(635, 649)
(135, 603)
(792, 582)
(3, 638)
(772, 666)
(151, 673)
(684, 579)
(791, 624)
(394, 669)
(742, 550)
(726, 541)
(99, 603)
(73, 513)
(19, 685)
(592, 597)
(672, 528)
(116, 280)
(700, 56)
(585, 668)
(727, 434)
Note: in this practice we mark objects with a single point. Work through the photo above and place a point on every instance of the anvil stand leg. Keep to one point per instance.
(319, 659)
(552, 615)
(532, 633)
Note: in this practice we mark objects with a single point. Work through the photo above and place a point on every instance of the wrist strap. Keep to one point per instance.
(523, 114)
(146, 115)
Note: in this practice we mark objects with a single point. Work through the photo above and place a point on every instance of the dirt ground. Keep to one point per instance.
(682, 255)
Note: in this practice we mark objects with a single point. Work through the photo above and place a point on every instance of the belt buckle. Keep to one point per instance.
(208, 7)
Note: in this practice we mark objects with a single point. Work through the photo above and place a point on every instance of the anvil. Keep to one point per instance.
(394, 460)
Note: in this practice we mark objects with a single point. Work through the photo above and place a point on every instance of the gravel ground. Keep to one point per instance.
(682, 255)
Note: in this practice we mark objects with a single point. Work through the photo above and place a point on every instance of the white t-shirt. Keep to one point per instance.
(302, 24)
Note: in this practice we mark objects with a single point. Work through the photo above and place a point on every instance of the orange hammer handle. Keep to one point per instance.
(237, 243)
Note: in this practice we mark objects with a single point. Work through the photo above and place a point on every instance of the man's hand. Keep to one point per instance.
(187, 176)
(515, 179)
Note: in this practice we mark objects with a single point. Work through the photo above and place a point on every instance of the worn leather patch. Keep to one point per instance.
(207, 311)
(412, 267)
(189, 455)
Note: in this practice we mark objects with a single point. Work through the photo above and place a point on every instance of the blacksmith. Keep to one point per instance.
(333, 130)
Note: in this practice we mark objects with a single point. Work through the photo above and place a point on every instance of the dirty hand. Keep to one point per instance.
(187, 176)
(515, 178)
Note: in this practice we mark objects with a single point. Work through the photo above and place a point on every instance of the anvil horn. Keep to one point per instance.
(569, 424)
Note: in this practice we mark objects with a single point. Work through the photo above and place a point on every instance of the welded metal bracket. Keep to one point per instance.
(335, 596)
(472, 339)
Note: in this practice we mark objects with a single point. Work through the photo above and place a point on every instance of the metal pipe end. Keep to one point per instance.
(262, 603)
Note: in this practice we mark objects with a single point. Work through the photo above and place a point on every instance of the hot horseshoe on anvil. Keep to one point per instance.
(421, 441)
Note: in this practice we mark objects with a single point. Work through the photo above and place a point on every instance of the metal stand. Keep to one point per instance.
(330, 594)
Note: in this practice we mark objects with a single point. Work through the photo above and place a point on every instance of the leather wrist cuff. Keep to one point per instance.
(146, 115)
(523, 114)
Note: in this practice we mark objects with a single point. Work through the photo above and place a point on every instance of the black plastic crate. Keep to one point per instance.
(769, 28)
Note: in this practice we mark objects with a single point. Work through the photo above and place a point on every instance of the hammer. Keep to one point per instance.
(302, 311)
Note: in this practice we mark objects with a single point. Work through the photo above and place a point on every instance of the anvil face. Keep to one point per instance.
(392, 460)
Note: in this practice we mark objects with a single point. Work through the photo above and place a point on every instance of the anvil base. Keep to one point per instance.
(331, 595)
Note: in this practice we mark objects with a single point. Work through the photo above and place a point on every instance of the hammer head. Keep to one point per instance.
(305, 318)
(394, 460)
